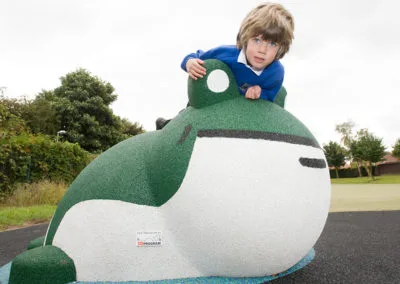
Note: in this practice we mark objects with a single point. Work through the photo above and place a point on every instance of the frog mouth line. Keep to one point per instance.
(252, 134)
(287, 138)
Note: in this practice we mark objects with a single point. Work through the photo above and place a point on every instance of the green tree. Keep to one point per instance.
(130, 129)
(41, 114)
(11, 123)
(369, 149)
(80, 106)
(345, 129)
(11, 126)
(335, 155)
(14, 106)
(396, 149)
(83, 106)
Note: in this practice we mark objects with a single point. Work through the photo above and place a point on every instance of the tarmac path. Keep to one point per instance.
(354, 247)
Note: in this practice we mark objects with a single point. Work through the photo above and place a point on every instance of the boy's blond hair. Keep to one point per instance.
(273, 22)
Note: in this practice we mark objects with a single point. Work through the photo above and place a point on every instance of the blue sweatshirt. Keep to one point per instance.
(270, 79)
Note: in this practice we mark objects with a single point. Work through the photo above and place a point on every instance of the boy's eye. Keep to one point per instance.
(272, 44)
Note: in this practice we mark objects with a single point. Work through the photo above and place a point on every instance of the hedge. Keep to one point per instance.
(30, 158)
(350, 173)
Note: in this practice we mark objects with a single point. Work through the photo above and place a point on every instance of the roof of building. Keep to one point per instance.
(390, 159)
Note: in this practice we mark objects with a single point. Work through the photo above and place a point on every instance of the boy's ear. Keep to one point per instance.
(217, 85)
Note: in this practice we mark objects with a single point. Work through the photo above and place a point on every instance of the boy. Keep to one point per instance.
(264, 37)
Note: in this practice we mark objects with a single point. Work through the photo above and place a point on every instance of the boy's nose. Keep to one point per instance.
(263, 48)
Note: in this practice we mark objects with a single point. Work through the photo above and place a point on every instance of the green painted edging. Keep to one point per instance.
(36, 243)
(45, 265)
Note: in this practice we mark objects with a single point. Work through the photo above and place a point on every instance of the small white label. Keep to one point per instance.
(148, 239)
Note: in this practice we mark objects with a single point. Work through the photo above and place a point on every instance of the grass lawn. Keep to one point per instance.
(365, 197)
(31, 203)
(13, 217)
(386, 179)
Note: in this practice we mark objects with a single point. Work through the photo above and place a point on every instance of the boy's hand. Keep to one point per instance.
(195, 69)
(253, 93)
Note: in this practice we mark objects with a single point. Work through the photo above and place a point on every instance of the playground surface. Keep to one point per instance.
(354, 247)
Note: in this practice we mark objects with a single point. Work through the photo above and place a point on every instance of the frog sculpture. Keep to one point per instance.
(229, 188)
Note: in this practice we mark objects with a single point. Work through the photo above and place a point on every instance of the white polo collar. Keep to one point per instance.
(242, 59)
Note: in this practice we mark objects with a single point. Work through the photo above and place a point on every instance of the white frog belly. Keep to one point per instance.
(100, 237)
(247, 207)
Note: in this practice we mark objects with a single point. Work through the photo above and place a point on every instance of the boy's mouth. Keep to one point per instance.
(258, 59)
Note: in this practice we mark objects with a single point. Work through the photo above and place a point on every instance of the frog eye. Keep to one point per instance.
(218, 81)
(217, 86)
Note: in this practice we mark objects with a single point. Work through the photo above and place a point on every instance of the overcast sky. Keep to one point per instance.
(342, 64)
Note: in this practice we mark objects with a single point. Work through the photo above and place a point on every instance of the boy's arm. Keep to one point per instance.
(280, 98)
(193, 63)
(197, 54)
(272, 84)
(215, 53)
(270, 91)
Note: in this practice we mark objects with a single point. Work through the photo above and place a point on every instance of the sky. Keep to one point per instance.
(341, 66)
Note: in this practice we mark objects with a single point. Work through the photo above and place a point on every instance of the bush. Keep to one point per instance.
(31, 158)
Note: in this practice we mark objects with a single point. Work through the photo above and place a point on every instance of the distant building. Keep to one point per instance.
(347, 165)
(389, 165)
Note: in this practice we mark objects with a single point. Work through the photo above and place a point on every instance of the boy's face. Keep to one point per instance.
(260, 53)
